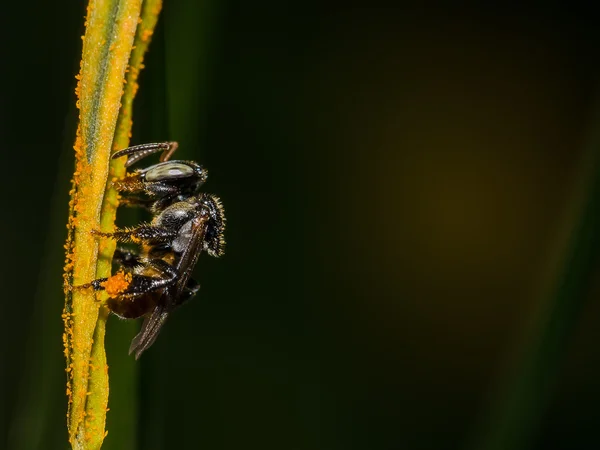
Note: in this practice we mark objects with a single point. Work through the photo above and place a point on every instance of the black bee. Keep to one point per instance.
(157, 280)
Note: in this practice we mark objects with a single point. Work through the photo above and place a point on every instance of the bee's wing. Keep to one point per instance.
(169, 299)
(150, 329)
(190, 255)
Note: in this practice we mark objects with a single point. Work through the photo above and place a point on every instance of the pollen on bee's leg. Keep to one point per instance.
(117, 284)
(81, 287)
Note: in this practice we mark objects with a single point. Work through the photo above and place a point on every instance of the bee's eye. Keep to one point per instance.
(168, 171)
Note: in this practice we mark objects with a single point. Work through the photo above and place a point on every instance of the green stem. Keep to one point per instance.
(110, 29)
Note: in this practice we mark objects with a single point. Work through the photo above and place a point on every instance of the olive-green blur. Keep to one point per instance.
(412, 237)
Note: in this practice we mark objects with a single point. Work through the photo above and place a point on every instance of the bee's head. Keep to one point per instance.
(214, 240)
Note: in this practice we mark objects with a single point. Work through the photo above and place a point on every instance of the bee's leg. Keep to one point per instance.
(148, 234)
(132, 184)
(96, 284)
(142, 284)
(138, 297)
(139, 152)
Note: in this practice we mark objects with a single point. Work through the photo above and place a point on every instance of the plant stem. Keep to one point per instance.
(107, 47)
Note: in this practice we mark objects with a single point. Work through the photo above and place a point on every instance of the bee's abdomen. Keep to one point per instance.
(133, 307)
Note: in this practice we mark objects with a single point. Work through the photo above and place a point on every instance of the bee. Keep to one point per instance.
(157, 279)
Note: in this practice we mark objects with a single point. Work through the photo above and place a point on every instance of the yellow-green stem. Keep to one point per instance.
(105, 123)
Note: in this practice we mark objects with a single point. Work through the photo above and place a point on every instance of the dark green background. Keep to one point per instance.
(401, 186)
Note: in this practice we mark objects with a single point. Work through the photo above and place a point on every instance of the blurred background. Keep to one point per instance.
(412, 200)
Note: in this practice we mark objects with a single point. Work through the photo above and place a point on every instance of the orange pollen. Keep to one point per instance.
(117, 284)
